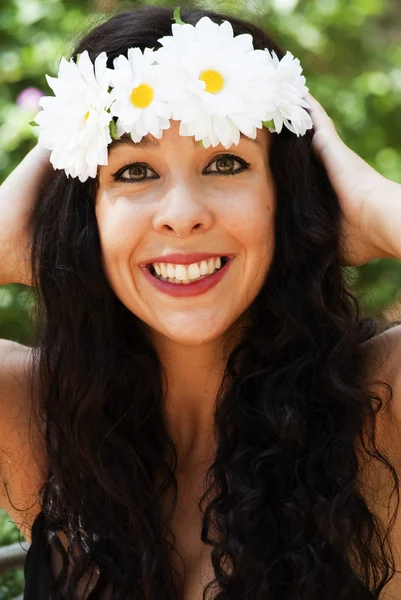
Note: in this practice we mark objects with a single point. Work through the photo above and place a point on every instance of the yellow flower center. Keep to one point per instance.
(86, 116)
(142, 95)
(213, 79)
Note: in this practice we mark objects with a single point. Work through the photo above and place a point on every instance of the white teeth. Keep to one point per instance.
(212, 265)
(186, 273)
(193, 271)
(204, 266)
(181, 272)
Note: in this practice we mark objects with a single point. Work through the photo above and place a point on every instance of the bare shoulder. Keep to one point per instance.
(22, 462)
(14, 364)
(383, 367)
(383, 376)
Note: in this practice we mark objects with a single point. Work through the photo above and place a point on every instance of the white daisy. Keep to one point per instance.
(74, 123)
(284, 94)
(214, 81)
(139, 99)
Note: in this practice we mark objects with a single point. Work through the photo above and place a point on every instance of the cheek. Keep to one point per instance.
(253, 222)
(119, 232)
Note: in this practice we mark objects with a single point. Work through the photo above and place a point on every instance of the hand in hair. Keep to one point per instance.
(18, 197)
(367, 199)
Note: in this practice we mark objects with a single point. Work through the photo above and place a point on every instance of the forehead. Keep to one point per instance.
(149, 141)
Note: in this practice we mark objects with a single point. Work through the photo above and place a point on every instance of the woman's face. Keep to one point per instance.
(174, 196)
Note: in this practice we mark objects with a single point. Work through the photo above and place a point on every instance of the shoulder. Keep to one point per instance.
(22, 458)
(383, 367)
(14, 364)
(14, 368)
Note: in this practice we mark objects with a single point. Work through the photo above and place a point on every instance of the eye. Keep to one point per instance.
(225, 165)
(137, 172)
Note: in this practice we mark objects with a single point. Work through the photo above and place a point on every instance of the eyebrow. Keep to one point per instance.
(151, 142)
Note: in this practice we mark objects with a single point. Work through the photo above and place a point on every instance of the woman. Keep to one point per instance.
(229, 437)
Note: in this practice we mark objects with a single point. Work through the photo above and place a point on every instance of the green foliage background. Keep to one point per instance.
(350, 51)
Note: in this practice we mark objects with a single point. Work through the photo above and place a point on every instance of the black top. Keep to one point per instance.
(37, 567)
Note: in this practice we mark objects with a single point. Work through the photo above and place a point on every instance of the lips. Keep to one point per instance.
(195, 288)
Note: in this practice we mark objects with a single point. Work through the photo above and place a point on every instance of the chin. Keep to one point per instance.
(194, 339)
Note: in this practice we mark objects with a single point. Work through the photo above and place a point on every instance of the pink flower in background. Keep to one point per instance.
(29, 98)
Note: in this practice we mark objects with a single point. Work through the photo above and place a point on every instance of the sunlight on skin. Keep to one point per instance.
(183, 208)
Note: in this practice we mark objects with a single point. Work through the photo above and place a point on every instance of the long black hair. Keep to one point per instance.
(283, 512)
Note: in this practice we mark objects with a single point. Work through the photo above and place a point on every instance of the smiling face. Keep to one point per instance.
(172, 195)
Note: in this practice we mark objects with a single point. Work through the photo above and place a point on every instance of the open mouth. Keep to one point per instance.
(151, 269)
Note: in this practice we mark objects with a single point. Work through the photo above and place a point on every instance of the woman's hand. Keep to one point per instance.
(361, 191)
(18, 197)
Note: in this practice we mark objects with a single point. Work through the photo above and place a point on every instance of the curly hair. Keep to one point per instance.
(289, 519)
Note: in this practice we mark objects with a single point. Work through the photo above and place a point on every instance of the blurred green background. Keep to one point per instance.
(350, 51)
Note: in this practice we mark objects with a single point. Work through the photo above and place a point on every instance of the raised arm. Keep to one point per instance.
(18, 196)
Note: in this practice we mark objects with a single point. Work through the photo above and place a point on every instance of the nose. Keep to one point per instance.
(182, 210)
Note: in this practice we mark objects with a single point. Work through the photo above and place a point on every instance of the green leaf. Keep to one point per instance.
(268, 123)
(33, 123)
(177, 17)
(113, 130)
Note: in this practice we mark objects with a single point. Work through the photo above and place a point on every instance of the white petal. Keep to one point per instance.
(120, 128)
(183, 130)
(129, 113)
(57, 85)
(136, 137)
(135, 58)
(227, 103)
(226, 32)
(206, 142)
(121, 63)
(243, 42)
(150, 121)
(161, 109)
(141, 127)
(206, 29)
(183, 34)
(244, 124)
(224, 129)
(170, 44)
(48, 103)
(202, 125)
(278, 122)
(213, 137)
(85, 66)
(164, 123)
(102, 73)
(190, 111)
(69, 72)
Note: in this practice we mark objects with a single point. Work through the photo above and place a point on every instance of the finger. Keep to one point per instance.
(320, 118)
(326, 143)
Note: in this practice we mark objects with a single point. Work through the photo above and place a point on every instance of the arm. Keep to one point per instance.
(370, 203)
(386, 221)
(18, 197)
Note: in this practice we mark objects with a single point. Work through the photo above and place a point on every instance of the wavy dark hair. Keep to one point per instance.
(289, 518)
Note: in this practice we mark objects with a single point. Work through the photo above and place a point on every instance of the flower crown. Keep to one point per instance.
(211, 81)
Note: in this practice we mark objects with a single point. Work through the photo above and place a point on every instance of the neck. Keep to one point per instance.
(194, 375)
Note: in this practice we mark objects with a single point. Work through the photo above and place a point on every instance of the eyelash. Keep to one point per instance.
(244, 166)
